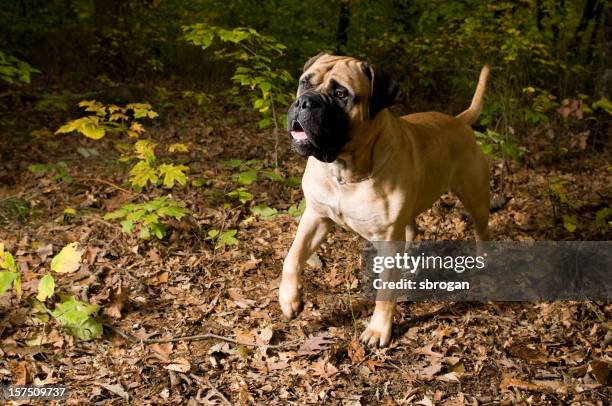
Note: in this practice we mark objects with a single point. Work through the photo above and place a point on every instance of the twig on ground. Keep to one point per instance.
(111, 184)
(120, 333)
(199, 337)
(106, 223)
(212, 387)
(218, 337)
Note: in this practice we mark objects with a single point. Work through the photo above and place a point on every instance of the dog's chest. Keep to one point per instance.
(361, 207)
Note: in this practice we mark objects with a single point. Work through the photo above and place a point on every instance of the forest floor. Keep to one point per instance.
(441, 353)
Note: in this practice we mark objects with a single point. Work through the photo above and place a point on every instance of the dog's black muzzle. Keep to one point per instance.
(318, 126)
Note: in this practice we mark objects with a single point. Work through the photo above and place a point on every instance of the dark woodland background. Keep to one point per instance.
(146, 140)
(433, 48)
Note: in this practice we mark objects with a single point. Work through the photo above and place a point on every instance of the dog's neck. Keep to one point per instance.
(357, 160)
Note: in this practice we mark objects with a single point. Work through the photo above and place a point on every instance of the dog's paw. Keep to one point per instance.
(290, 299)
(378, 332)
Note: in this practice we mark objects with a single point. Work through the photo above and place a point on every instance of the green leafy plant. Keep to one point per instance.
(146, 171)
(77, 318)
(603, 217)
(254, 55)
(542, 104)
(202, 100)
(14, 208)
(570, 222)
(562, 205)
(148, 216)
(51, 102)
(10, 276)
(493, 143)
(241, 194)
(59, 170)
(15, 70)
(557, 189)
(249, 172)
(46, 287)
(264, 212)
(604, 104)
(297, 209)
(112, 119)
(222, 238)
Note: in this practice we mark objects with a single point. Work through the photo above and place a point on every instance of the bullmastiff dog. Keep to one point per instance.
(371, 172)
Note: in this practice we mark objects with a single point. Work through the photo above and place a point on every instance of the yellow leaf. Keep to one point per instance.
(145, 150)
(46, 287)
(178, 148)
(117, 116)
(137, 127)
(91, 130)
(113, 107)
(17, 286)
(68, 260)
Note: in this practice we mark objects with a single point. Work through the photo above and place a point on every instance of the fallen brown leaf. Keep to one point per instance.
(158, 279)
(429, 372)
(315, 344)
(244, 337)
(117, 389)
(449, 377)
(600, 370)
(179, 365)
(163, 349)
(355, 351)
(45, 251)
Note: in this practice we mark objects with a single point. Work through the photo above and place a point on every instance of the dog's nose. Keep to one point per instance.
(308, 101)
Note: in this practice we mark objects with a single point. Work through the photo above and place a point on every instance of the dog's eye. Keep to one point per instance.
(340, 93)
(305, 84)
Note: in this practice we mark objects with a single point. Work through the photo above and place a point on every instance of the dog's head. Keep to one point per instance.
(335, 95)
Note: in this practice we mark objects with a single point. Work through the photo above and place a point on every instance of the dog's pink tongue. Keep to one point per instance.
(298, 135)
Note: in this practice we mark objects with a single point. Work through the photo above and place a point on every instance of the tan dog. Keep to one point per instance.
(371, 172)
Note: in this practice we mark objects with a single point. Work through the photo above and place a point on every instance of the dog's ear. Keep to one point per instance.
(312, 60)
(383, 90)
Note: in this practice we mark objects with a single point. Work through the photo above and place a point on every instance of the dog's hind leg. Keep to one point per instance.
(411, 231)
(471, 185)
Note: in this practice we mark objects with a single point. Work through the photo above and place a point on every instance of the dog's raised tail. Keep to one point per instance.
(470, 115)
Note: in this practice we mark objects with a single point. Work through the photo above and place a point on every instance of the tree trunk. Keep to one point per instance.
(587, 15)
(106, 13)
(540, 14)
(110, 57)
(343, 26)
(555, 28)
(597, 26)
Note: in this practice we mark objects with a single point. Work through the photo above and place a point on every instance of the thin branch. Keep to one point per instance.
(106, 183)
(120, 333)
(212, 387)
(276, 132)
(199, 337)
(106, 223)
(218, 337)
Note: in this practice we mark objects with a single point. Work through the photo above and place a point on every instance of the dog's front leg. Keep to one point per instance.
(310, 234)
(378, 332)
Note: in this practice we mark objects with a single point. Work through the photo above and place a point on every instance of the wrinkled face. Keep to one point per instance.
(335, 94)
